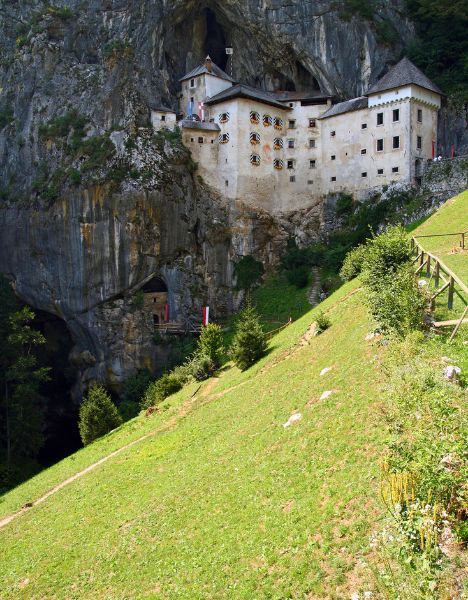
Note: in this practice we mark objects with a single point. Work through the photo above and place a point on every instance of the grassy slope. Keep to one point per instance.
(225, 502)
(452, 217)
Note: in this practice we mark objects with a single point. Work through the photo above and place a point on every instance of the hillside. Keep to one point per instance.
(219, 500)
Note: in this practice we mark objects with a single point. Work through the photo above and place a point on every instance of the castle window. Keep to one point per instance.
(396, 115)
(277, 143)
(224, 138)
(191, 99)
(254, 138)
(363, 125)
(312, 123)
(332, 178)
(332, 133)
(278, 123)
(395, 169)
(291, 143)
(396, 141)
(419, 142)
(363, 151)
(311, 143)
(212, 141)
(310, 181)
(267, 120)
(312, 164)
(224, 117)
(192, 139)
(278, 164)
(292, 178)
(200, 140)
(380, 118)
(254, 117)
(380, 145)
(419, 115)
(333, 157)
(192, 83)
(163, 117)
(364, 174)
(255, 160)
(291, 105)
(379, 171)
(290, 164)
(292, 124)
(226, 183)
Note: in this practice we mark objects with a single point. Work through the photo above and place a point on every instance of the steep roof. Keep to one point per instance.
(285, 96)
(200, 125)
(203, 68)
(404, 73)
(344, 107)
(246, 91)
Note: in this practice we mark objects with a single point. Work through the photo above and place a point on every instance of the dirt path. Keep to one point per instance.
(184, 410)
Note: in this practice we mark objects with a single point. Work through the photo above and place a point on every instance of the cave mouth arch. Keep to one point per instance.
(215, 39)
(61, 434)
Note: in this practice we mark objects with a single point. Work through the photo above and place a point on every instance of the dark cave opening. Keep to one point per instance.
(61, 435)
(215, 39)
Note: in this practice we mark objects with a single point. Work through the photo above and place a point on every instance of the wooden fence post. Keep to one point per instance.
(436, 274)
(450, 292)
(463, 241)
(421, 262)
(428, 267)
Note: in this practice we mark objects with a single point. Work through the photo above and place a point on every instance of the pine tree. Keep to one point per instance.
(210, 344)
(98, 415)
(249, 342)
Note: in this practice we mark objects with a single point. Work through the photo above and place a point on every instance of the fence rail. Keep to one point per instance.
(435, 268)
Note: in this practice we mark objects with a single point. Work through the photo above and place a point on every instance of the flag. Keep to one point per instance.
(167, 313)
(201, 111)
(206, 316)
(452, 151)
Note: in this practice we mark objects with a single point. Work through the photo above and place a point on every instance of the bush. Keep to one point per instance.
(298, 276)
(385, 254)
(159, 390)
(98, 415)
(249, 342)
(133, 391)
(344, 205)
(322, 321)
(210, 344)
(247, 271)
(353, 263)
(201, 366)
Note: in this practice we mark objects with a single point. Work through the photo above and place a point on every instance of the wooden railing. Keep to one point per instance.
(174, 328)
(273, 332)
(433, 267)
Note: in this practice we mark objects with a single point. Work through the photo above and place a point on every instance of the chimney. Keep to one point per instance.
(209, 63)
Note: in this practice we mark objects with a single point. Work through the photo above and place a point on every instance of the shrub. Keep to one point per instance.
(210, 343)
(323, 322)
(249, 342)
(385, 254)
(133, 391)
(98, 415)
(353, 263)
(138, 299)
(201, 366)
(344, 205)
(298, 276)
(159, 390)
(247, 271)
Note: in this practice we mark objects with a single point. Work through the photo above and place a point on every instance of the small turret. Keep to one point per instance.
(209, 64)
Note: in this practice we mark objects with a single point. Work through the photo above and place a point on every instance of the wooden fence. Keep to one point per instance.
(435, 269)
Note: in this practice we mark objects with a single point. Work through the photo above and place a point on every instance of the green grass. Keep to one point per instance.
(224, 502)
(277, 300)
(451, 218)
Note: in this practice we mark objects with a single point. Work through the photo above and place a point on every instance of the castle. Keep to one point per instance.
(284, 151)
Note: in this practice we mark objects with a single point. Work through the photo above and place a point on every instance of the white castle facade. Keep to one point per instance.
(284, 151)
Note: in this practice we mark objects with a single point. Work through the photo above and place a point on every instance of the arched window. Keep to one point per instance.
(224, 117)
(224, 138)
(254, 117)
(255, 160)
(277, 143)
(278, 123)
(267, 120)
(278, 164)
(254, 138)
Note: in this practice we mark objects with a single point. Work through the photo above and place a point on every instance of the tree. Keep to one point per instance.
(249, 342)
(21, 435)
(98, 415)
(210, 343)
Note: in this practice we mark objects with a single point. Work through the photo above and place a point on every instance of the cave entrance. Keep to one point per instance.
(156, 300)
(61, 433)
(215, 39)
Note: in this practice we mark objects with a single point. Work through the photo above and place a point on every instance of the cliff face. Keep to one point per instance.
(92, 205)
